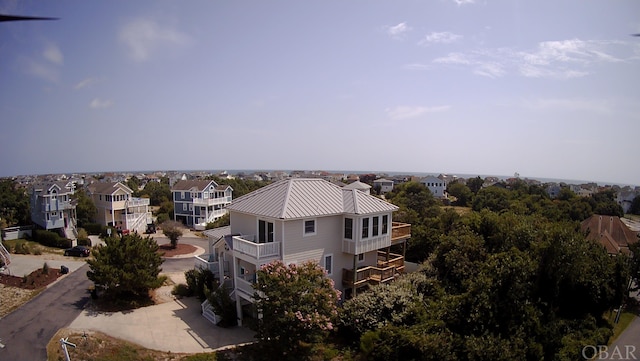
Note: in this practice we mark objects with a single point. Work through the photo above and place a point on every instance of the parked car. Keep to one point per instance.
(77, 251)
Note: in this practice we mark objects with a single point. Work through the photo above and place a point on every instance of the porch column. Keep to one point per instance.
(355, 275)
(239, 309)
(221, 267)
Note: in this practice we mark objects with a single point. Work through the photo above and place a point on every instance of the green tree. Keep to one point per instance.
(494, 199)
(297, 305)
(225, 220)
(158, 192)
(172, 230)
(475, 184)
(634, 262)
(462, 193)
(14, 203)
(604, 203)
(86, 210)
(133, 183)
(127, 266)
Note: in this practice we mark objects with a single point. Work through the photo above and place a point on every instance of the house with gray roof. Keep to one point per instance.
(350, 233)
(52, 207)
(117, 207)
(198, 202)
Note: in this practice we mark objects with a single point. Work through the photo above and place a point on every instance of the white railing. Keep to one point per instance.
(211, 201)
(245, 287)
(366, 245)
(256, 250)
(56, 206)
(5, 256)
(208, 261)
(138, 202)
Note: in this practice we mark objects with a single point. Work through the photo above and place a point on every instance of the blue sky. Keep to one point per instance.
(544, 88)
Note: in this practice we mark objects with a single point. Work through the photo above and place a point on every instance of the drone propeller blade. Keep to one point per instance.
(20, 18)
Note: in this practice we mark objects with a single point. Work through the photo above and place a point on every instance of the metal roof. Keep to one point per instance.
(108, 187)
(307, 197)
(187, 185)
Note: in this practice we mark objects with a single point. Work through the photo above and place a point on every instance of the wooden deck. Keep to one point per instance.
(386, 270)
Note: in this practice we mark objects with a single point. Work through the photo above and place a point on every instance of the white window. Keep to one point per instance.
(184, 206)
(361, 258)
(328, 264)
(365, 227)
(309, 227)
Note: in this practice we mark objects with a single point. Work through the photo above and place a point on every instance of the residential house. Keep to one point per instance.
(611, 232)
(364, 187)
(384, 185)
(116, 206)
(625, 197)
(198, 202)
(52, 207)
(437, 186)
(348, 232)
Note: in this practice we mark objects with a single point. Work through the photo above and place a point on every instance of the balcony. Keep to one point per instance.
(56, 206)
(138, 202)
(204, 202)
(258, 251)
(386, 270)
(399, 233)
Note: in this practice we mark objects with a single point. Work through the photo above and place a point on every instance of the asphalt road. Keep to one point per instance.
(26, 331)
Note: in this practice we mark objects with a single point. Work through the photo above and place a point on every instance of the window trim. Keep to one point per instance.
(363, 258)
(365, 228)
(344, 228)
(304, 227)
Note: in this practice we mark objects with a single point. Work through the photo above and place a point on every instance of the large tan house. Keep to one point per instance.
(348, 232)
(117, 207)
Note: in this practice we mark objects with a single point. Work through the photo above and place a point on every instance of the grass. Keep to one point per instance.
(625, 319)
(34, 247)
(460, 210)
(97, 346)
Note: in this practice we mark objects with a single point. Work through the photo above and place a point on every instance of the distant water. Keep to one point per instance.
(424, 174)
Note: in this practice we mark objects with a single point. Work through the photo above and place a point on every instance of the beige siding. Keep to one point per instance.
(243, 224)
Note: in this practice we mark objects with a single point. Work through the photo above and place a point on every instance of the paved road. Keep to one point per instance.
(26, 331)
(627, 345)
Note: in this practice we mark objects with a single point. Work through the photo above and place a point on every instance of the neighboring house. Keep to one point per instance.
(198, 202)
(116, 206)
(348, 232)
(53, 209)
(625, 198)
(437, 186)
(553, 190)
(611, 232)
(384, 185)
(364, 187)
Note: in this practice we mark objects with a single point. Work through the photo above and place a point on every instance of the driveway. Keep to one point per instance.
(26, 331)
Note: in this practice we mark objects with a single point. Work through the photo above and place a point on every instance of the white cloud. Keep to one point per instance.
(143, 37)
(444, 37)
(464, 2)
(53, 54)
(398, 31)
(98, 103)
(563, 59)
(417, 66)
(85, 83)
(407, 112)
(42, 70)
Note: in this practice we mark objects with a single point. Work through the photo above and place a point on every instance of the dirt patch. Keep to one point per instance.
(37, 279)
(13, 297)
(182, 249)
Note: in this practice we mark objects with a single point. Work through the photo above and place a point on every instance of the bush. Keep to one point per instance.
(223, 306)
(198, 279)
(93, 228)
(83, 236)
(21, 247)
(50, 239)
(162, 217)
(45, 269)
(181, 290)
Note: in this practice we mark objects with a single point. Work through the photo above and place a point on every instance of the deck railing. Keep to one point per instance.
(256, 250)
(369, 274)
(400, 231)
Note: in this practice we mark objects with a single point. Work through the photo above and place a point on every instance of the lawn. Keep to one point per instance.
(23, 246)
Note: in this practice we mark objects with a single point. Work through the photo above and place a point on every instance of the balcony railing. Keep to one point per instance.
(369, 274)
(207, 261)
(245, 286)
(54, 206)
(211, 201)
(400, 231)
(258, 251)
(138, 202)
(385, 271)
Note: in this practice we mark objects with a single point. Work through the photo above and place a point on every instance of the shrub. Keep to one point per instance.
(223, 306)
(82, 235)
(93, 228)
(37, 251)
(21, 247)
(162, 217)
(50, 239)
(45, 269)
(181, 290)
(198, 279)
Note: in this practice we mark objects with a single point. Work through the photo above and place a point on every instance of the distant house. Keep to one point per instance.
(553, 190)
(625, 198)
(198, 202)
(52, 208)
(117, 206)
(346, 231)
(437, 186)
(611, 232)
(364, 187)
(384, 185)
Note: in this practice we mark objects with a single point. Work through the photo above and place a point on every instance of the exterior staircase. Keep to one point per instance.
(207, 312)
(5, 257)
